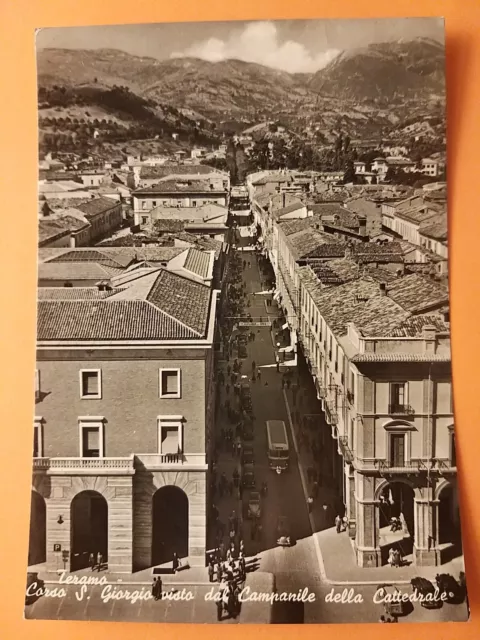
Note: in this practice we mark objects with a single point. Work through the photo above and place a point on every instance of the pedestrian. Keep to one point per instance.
(259, 374)
(338, 524)
(227, 388)
(391, 557)
(229, 554)
(219, 571)
(315, 489)
(398, 558)
(254, 366)
(344, 523)
(210, 571)
(99, 561)
(310, 504)
(158, 589)
(154, 588)
(91, 561)
(289, 382)
(175, 562)
(278, 367)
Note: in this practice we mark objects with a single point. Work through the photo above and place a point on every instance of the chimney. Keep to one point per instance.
(383, 288)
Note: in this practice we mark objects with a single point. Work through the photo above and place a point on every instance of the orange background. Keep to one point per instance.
(18, 179)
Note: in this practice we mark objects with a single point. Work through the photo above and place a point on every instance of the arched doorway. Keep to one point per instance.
(448, 517)
(396, 503)
(169, 524)
(37, 544)
(89, 528)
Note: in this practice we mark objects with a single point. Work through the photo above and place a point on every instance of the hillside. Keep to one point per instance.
(410, 69)
(366, 92)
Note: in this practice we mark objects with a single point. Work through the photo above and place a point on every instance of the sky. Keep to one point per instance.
(296, 46)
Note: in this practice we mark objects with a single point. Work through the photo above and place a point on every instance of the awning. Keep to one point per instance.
(288, 349)
(276, 294)
(285, 326)
(289, 363)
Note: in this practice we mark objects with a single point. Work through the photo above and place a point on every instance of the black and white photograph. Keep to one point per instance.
(243, 384)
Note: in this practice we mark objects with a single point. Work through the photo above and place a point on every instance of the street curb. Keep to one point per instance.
(321, 564)
(305, 492)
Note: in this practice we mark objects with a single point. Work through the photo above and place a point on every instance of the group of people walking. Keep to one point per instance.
(95, 561)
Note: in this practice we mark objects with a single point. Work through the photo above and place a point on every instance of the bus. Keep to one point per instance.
(278, 452)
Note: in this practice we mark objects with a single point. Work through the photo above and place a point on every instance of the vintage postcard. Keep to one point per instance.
(243, 390)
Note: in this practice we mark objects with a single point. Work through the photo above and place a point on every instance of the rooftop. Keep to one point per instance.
(56, 226)
(179, 186)
(88, 254)
(165, 170)
(436, 231)
(96, 206)
(198, 262)
(159, 306)
(68, 271)
(289, 208)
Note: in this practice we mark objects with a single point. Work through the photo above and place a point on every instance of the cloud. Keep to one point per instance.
(258, 42)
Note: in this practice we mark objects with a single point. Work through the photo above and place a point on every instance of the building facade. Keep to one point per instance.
(124, 404)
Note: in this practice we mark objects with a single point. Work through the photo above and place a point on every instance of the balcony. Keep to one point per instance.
(406, 466)
(321, 390)
(331, 413)
(350, 397)
(400, 410)
(345, 449)
(445, 466)
(86, 466)
(164, 461)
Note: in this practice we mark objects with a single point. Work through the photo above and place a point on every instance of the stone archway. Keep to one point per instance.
(169, 524)
(37, 544)
(448, 520)
(89, 528)
(396, 500)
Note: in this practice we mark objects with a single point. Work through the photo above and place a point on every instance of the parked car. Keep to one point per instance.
(248, 456)
(454, 592)
(254, 505)
(248, 476)
(429, 593)
(393, 604)
(248, 431)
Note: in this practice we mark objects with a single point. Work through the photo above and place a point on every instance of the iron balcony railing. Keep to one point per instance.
(331, 413)
(403, 466)
(400, 409)
(345, 449)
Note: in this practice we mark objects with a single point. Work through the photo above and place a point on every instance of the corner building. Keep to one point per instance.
(124, 401)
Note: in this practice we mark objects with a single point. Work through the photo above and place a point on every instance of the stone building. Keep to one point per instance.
(124, 401)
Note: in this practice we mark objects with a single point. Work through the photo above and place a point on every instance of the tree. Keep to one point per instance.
(349, 175)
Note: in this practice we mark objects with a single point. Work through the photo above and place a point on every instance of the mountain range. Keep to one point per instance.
(408, 69)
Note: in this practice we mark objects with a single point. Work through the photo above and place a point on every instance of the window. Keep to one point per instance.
(144, 204)
(398, 397)
(453, 453)
(144, 219)
(154, 203)
(37, 384)
(38, 438)
(90, 384)
(91, 437)
(397, 449)
(170, 383)
(170, 436)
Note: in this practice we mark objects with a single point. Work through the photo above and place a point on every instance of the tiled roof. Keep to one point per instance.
(414, 293)
(165, 170)
(304, 243)
(161, 305)
(401, 357)
(183, 299)
(75, 271)
(328, 250)
(198, 262)
(437, 231)
(72, 293)
(417, 215)
(179, 186)
(413, 326)
(360, 302)
(289, 208)
(87, 254)
(294, 226)
(171, 226)
(276, 177)
(375, 252)
(96, 206)
(49, 228)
